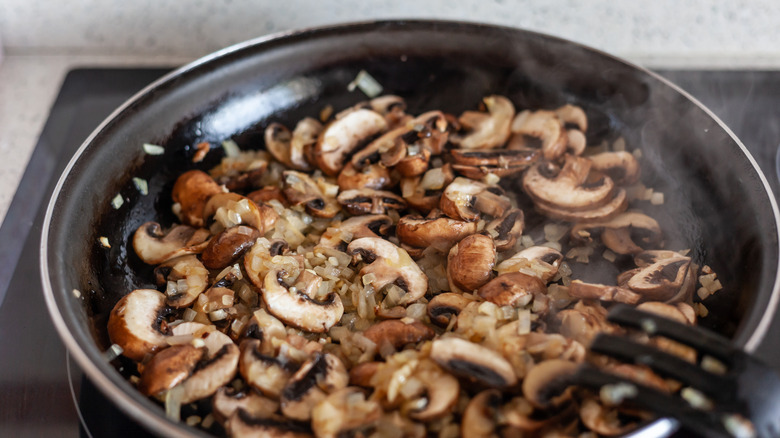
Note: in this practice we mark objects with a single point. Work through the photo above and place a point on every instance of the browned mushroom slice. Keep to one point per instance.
(362, 373)
(389, 264)
(583, 322)
(671, 279)
(367, 225)
(343, 136)
(545, 376)
(373, 176)
(442, 307)
(626, 233)
(184, 279)
(647, 258)
(473, 362)
(316, 378)
(603, 420)
(299, 306)
(231, 209)
(480, 417)
(263, 372)
(301, 189)
(437, 394)
(266, 194)
(397, 333)
(244, 424)
(191, 191)
(388, 149)
(135, 323)
(345, 412)
(576, 142)
(546, 126)
(573, 115)
(154, 246)
(506, 229)
(227, 246)
(440, 233)
(217, 369)
(364, 201)
(603, 292)
(465, 199)
(415, 163)
(512, 289)
(432, 130)
(169, 368)
(486, 130)
(470, 263)
(571, 187)
(392, 108)
(621, 166)
(607, 211)
(227, 401)
(477, 164)
(304, 138)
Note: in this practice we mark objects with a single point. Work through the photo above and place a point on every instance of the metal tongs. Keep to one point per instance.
(726, 393)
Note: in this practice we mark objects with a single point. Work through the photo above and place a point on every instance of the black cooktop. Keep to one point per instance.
(37, 397)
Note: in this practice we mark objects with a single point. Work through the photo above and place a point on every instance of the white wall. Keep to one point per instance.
(633, 28)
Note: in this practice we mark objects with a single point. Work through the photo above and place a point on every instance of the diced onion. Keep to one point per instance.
(76, 293)
(104, 242)
(113, 352)
(231, 148)
(141, 185)
(153, 149)
(117, 202)
(173, 403)
(366, 83)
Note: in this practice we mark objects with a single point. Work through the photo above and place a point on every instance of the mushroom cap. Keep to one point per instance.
(192, 190)
(342, 136)
(264, 373)
(442, 307)
(398, 333)
(664, 280)
(487, 130)
(545, 383)
(299, 309)
(508, 289)
(227, 401)
(154, 246)
(134, 323)
(465, 199)
(574, 115)
(277, 142)
(440, 233)
(473, 362)
(316, 378)
(574, 187)
(389, 264)
(470, 262)
(228, 245)
(621, 166)
(168, 368)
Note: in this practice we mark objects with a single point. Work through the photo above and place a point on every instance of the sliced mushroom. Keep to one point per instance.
(343, 136)
(465, 199)
(480, 417)
(415, 163)
(389, 264)
(546, 382)
(300, 189)
(227, 246)
(440, 233)
(621, 166)
(391, 107)
(603, 292)
(397, 333)
(310, 385)
(387, 149)
(185, 278)
(670, 279)
(605, 212)
(154, 246)
(266, 194)
(582, 323)
(602, 420)
(345, 412)
(277, 142)
(647, 258)
(539, 261)
(432, 130)
(506, 229)
(293, 148)
(576, 142)
(362, 373)
(473, 362)
(477, 164)
(300, 307)
(512, 289)
(191, 191)
(626, 233)
(364, 201)
(437, 395)
(573, 187)
(169, 368)
(227, 401)
(573, 115)
(486, 130)
(547, 127)
(137, 324)
(244, 424)
(373, 176)
(218, 367)
(355, 227)
(264, 372)
(470, 263)
(444, 306)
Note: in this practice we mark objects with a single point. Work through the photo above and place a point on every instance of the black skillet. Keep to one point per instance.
(717, 202)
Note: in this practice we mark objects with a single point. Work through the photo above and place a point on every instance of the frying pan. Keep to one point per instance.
(717, 202)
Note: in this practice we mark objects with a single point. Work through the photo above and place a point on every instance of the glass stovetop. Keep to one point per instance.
(37, 398)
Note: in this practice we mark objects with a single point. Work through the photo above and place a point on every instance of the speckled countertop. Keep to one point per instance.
(44, 39)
